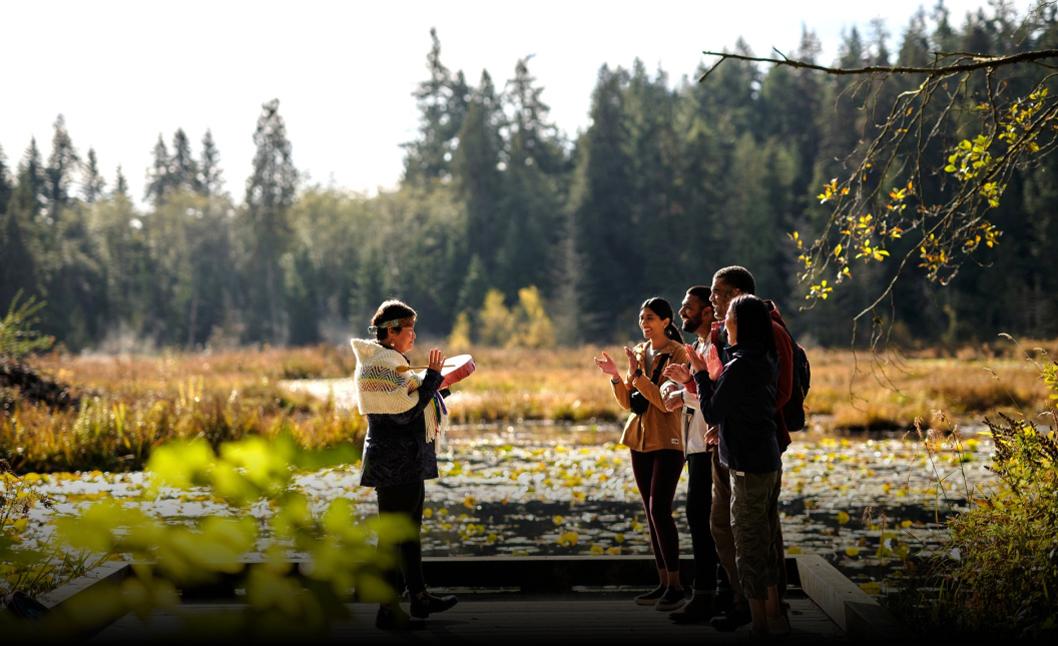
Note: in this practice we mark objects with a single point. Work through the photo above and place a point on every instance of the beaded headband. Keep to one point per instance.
(392, 323)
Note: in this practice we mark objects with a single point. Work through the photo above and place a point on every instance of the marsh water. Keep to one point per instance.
(863, 502)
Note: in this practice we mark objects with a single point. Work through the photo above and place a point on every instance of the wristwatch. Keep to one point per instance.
(637, 373)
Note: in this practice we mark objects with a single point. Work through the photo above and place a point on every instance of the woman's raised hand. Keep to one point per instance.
(607, 365)
(633, 360)
(677, 372)
(437, 359)
(698, 363)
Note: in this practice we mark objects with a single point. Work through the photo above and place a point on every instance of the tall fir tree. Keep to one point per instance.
(608, 257)
(443, 101)
(18, 268)
(210, 179)
(62, 163)
(535, 188)
(159, 177)
(477, 176)
(183, 170)
(93, 185)
(266, 232)
(121, 185)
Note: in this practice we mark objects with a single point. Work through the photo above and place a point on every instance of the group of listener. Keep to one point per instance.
(715, 404)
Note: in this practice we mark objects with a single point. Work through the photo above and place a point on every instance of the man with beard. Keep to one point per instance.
(696, 312)
(728, 283)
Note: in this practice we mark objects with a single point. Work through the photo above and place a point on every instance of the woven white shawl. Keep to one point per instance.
(380, 389)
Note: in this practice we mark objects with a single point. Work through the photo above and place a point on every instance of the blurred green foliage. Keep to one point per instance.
(339, 555)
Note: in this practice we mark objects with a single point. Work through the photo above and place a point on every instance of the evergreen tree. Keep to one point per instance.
(121, 185)
(302, 298)
(17, 268)
(442, 101)
(93, 185)
(6, 186)
(608, 256)
(266, 230)
(131, 276)
(655, 214)
(210, 178)
(59, 172)
(183, 170)
(476, 173)
(159, 177)
(535, 188)
(31, 191)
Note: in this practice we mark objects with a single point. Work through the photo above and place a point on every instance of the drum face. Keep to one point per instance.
(456, 369)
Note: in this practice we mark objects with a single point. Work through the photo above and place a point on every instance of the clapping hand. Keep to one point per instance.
(607, 365)
(698, 363)
(677, 372)
(674, 402)
(633, 360)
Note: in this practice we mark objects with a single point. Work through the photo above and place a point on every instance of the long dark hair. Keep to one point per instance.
(661, 307)
(753, 322)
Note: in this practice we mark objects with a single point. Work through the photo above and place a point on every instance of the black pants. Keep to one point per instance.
(657, 473)
(406, 499)
(699, 506)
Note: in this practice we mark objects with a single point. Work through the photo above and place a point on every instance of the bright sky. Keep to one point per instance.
(123, 71)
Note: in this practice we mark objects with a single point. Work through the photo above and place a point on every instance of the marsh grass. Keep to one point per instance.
(131, 404)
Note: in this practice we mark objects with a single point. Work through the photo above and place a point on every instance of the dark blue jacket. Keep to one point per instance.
(742, 404)
(395, 450)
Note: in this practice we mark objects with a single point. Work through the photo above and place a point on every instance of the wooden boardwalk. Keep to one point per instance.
(504, 618)
(510, 600)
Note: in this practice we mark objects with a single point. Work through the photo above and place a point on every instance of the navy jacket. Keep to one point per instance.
(395, 450)
(742, 404)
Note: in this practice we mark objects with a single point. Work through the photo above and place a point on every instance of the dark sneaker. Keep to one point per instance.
(651, 598)
(671, 600)
(424, 603)
(698, 610)
(392, 617)
(737, 615)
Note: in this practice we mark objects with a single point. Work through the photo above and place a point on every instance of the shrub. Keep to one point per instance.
(1000, 574)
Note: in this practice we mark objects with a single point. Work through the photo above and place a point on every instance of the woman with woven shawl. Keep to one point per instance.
(405, 416)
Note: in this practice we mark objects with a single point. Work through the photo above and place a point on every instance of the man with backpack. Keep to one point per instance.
(728, 283)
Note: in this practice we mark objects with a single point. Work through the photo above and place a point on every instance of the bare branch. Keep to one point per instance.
(977, 62)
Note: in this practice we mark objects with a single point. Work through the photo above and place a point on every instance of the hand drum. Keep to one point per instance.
(456, 369)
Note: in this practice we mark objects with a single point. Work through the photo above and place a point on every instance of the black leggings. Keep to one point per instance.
(699, 506)
(406, 499)
(657, 473)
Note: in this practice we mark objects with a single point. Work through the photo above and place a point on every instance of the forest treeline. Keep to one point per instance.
(670, 181)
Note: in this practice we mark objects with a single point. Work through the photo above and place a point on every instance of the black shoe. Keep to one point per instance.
(392, 617)
(671, 600)
(698, 610)
(651, 598)
(737, 615)
(725, 598)
(424, 603)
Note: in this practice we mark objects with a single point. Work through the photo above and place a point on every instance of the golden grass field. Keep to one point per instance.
(132, 403)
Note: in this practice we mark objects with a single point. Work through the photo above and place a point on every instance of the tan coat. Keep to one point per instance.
(657, 428)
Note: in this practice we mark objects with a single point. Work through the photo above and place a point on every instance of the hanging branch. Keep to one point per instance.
(975, 62)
